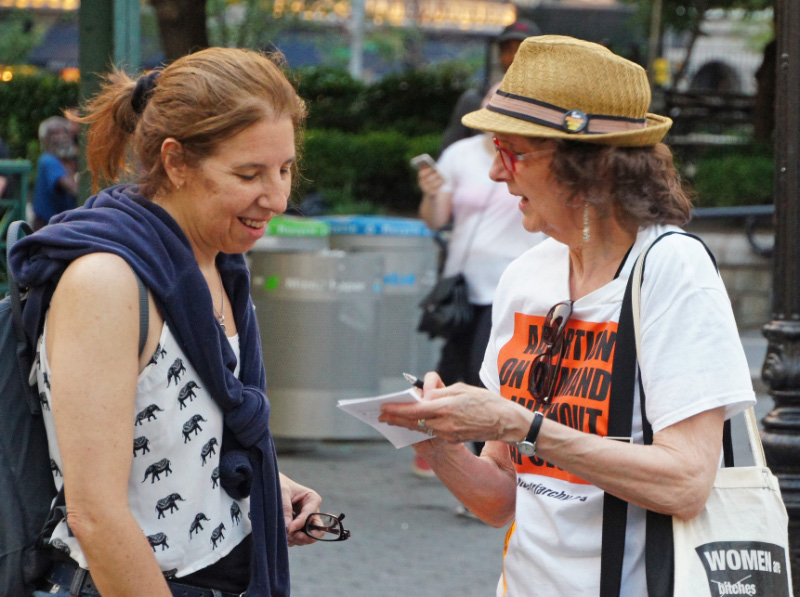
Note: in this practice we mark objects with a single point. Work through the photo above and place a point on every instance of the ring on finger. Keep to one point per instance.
(421, 425)
(430, 432)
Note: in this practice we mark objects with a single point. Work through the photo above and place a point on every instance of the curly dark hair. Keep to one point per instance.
(638, 184)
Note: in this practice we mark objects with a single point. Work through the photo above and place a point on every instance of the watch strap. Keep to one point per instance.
(536, 425)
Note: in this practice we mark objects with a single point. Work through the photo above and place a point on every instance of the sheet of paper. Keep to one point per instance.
(369, 409)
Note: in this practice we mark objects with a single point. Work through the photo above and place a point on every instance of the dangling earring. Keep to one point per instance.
(586, 222)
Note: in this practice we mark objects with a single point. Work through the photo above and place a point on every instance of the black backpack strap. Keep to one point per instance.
(16, 231)
(144, 312)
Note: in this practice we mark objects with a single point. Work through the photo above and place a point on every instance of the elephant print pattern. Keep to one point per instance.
(158, 539)
(188, 392)
(168, 503)
(174, 489)
(147, 414)
(208, 449)
(192, 425)
(236, 513)
(141, 443)
(216, 535)
(155, 470)
(196, 524)
(175, 371)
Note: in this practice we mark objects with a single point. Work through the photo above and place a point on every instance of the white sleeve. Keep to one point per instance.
(692, 358)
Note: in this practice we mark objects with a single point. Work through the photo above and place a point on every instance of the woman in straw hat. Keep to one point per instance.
(576, 144)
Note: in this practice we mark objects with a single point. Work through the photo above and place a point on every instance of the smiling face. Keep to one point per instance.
(225, 202)
(542, 199)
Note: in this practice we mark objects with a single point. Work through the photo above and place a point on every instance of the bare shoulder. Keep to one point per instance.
(98, 273)
(97, 293)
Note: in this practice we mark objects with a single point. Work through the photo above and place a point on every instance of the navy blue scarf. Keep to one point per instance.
(120, 221)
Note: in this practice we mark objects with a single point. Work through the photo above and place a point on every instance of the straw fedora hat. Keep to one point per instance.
(565, 88)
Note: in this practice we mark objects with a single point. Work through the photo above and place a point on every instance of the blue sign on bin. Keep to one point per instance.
(376, 226)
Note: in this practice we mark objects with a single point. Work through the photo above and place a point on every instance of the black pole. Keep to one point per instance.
(781, 370)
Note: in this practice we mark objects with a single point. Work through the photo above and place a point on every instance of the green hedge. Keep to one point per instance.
(335, 99)
(415, 102)
(363, 173)
(728, 179)
(25, 101)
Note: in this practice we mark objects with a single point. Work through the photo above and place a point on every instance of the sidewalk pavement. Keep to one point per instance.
(406, 539)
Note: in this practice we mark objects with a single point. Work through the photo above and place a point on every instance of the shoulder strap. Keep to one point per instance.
(144, 312)
(624, 373)
(16, 231)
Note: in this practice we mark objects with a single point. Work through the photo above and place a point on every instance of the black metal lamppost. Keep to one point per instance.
(781, 371)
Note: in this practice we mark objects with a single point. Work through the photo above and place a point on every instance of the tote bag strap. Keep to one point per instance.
(638, 277)
(620, 415)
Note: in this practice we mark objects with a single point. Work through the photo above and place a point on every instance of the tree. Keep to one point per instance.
(689, 16)
(181, 26)
(18, 36)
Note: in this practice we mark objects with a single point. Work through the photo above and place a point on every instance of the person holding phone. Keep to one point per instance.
(487, 234)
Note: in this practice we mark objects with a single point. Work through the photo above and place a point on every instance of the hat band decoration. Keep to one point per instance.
(555, 117)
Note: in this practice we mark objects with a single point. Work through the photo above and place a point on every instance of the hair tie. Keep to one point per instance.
(144, 89)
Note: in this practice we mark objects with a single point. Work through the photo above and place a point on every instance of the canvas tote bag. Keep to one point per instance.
(739, 544)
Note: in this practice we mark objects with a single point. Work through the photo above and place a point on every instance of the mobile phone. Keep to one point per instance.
(423, 160)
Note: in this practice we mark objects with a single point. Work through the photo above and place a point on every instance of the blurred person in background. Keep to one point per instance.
(507, 43)
(487, 234)
(56, 187)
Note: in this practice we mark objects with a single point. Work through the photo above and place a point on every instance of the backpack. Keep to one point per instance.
(27, 489)
(26, 482)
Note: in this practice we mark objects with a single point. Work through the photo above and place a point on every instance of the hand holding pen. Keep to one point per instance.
(414, 381)
(417, 383)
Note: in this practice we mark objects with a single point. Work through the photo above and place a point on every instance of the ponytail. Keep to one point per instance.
(112, 120)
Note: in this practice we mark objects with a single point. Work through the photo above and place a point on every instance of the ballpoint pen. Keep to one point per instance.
(414, 381)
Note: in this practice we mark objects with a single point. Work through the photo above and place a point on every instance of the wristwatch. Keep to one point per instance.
(527, 447)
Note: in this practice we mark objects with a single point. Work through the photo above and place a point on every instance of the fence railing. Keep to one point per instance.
(750, 215)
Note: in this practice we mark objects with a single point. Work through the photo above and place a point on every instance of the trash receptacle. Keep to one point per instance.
(409, 256)
(317, 311)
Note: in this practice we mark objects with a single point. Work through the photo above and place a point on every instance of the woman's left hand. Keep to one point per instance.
(298, 502)
(461, 413)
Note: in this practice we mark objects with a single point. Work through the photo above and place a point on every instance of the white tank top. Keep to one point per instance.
(173, 489)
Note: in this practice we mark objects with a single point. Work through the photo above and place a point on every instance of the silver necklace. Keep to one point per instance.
(220, 315)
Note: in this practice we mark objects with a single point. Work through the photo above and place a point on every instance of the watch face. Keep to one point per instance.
(526, 448)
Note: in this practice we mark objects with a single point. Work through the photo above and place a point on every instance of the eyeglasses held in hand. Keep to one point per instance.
(325, 527)
(544, 372)
(510, 159)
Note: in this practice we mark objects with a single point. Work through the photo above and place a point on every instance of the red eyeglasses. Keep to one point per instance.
(510, 158)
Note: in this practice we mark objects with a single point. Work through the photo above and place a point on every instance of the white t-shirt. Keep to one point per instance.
(485, 208)
(692, 361)
(173, 489)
